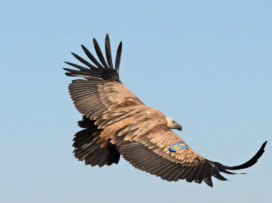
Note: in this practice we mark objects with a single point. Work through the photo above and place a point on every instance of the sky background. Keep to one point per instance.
(207, 64)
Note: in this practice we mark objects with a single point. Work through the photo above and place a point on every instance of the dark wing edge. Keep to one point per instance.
(248, 164)
(98, 70)
(143, 158)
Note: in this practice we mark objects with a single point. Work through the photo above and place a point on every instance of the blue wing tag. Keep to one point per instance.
(177, 146)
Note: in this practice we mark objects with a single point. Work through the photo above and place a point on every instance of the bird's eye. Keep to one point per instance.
(173, 121)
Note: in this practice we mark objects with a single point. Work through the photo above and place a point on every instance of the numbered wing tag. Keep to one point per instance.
(178, 146)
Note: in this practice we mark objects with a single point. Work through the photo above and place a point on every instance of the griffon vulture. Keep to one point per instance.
(116, 122)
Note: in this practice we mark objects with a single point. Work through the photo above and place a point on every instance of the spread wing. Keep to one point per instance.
(156, 159)
(116, 123)
(103, 90)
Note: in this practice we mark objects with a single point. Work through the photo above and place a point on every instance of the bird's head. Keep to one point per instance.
(172, 124)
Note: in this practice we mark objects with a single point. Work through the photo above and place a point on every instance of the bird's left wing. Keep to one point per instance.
(142, 136)
(164, 154)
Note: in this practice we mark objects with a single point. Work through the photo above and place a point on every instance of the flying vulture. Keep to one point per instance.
(116, 122)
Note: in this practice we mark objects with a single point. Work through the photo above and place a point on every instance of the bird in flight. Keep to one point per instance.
(116, 122)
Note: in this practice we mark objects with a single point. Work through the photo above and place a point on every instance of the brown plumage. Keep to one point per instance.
(116, 123)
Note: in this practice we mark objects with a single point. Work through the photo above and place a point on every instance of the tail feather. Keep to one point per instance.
(88, 150)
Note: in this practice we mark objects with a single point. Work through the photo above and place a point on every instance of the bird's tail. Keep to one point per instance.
(88, 150)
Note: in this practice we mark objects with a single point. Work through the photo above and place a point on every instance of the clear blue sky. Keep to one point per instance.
(207, 64)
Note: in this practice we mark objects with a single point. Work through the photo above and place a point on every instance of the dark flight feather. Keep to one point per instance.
(249, 163)
(91, 57)
(108, 51)
(118, 57)
(99, 53)
(83, 61)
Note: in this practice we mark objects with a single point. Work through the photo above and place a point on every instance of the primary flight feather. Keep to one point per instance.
(116, 122)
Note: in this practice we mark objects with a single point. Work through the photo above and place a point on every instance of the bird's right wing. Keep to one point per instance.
(94, 98)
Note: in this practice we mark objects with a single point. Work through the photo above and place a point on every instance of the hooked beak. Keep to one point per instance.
(178, 127)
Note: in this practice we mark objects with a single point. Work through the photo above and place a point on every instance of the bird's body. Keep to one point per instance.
(116, 122)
